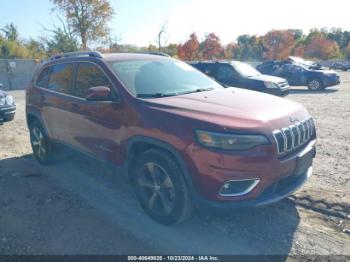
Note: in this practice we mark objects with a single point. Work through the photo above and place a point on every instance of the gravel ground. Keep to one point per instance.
(82, 206)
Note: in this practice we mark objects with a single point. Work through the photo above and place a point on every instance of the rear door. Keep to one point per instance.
(293, 74)
(96, 126)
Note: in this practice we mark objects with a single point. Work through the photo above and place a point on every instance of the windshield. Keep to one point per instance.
(166, 77)
(306, 63)
(245, 69)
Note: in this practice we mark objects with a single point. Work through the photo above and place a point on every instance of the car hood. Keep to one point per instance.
(233, 108)
(267, 78)
(322, 71)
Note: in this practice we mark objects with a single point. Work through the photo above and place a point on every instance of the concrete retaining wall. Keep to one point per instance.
(16, 73)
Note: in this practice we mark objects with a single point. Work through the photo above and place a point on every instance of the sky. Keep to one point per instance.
(138, 21)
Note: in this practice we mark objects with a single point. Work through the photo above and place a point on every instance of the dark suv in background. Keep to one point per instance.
(243, 75)
(299, 73)
(180, 137)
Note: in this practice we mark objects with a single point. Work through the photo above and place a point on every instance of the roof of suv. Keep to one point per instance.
(107, 57)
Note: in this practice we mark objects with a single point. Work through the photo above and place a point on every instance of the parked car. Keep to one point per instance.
(7, 107)
(243, 75)
(312, 76)
(344, 66)
(181, 138)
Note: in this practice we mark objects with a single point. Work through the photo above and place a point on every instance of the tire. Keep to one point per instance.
(161, 188)
(41, 144)
(315, 84)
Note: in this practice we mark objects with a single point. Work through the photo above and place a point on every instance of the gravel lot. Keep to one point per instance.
(81, 206)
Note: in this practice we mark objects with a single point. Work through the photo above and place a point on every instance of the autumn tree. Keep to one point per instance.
(299, 50)
(230, 51)
(87, 18)
(279, 44)
(212, 47)
(189, 50)
(319, 46)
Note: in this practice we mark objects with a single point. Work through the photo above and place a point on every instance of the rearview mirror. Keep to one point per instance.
(98, 93)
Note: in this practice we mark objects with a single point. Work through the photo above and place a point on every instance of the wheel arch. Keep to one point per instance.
(31, 117)
(139, 144)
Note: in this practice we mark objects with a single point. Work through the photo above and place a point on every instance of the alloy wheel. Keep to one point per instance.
(314, 85)
(38, 142)
(156, 189)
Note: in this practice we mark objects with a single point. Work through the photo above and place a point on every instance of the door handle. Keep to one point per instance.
(75, 107)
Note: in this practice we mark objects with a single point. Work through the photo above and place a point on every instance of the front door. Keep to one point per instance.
(97, 126)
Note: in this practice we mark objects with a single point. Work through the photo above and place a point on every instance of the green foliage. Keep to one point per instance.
(249, 48)
(60, 42)
(87, 18)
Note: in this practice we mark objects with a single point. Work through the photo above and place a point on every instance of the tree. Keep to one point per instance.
(212, 47)
(162, 36)
(230, 51)
(279, 44)
(319, 46)
(299, 50)
(189, 50)
(249, 48)
(171, 49)
(348, 51)
(11, 32)
(87, 18)
(61, 42)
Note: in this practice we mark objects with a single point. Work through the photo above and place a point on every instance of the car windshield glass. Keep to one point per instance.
(159, 78)
(245, 69)
(305, 63)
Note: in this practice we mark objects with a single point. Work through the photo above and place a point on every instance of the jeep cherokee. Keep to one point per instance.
(181, 138)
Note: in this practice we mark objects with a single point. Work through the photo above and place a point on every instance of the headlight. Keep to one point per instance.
(9, 100)
(270, 85)
(230, 141)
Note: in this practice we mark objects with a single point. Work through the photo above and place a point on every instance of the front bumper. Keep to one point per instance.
(7, 113)
(277, 91)
(331, 81)
(276, 192)
(278, 177)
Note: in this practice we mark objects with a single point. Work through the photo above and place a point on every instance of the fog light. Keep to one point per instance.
(238, 187)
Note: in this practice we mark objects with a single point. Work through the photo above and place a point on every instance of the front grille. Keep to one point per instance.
(294, 136)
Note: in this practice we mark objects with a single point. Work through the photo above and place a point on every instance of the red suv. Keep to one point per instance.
(181, 138)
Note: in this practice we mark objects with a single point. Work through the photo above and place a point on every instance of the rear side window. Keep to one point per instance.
(43, 78)
(225, 74)
(60, 79)
(89, 75)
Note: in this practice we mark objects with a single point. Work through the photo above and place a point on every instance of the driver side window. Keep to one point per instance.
(89, 75)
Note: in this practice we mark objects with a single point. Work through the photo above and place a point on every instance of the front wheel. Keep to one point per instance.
(40, 142)
(315, 84)
(161, 188)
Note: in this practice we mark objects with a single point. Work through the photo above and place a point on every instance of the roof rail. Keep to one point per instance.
(77, 54)
(155, 53)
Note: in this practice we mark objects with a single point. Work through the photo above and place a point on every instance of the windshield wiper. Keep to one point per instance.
(156, 95)
(196, 91)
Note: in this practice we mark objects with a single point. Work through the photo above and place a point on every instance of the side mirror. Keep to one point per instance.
(98, 93)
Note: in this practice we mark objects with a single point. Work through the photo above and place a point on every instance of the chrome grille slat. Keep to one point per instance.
(294, 136)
